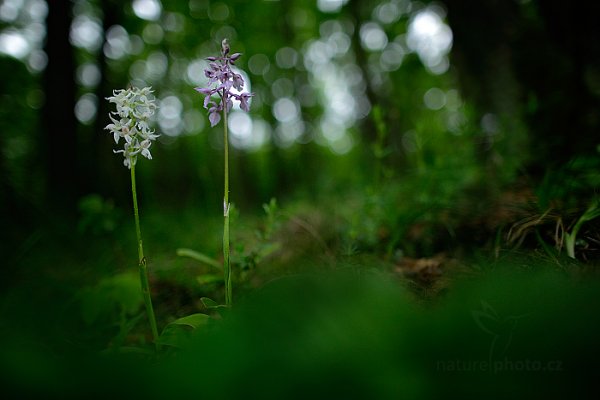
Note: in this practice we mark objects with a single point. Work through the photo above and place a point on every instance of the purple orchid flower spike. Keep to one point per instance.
(221, 81)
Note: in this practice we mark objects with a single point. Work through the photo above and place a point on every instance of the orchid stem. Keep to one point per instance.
(142, 262)
(226, 262)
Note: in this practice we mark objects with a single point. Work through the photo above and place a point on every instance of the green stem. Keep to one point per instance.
(142, 261)
(226, 263)
(591, 213)
(570, 243)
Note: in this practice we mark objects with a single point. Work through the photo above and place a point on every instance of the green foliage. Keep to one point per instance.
(566, 199)
(250, 254)
(177, 333)
(110, 298)
(199, 257)
(211, 305)
(114, 301)
(571, 184)
(97, 215)
(270, 209)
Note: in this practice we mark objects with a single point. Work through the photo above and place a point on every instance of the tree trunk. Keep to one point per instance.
(59, 125)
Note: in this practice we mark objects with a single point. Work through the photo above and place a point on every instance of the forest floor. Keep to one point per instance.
(319, 306)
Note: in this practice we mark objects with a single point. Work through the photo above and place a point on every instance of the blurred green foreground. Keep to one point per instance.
(350, 333)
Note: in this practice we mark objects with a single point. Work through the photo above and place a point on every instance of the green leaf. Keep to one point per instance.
(203, 258)
(174, 336)
(267, 250)
(209, 303)
(193, 320)
(271, 207)
(178, 332)
(223, 310)
(209, 278)
(592, 212)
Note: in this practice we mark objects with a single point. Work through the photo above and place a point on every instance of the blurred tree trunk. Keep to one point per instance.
(59, 124)
(359, 12)
(535, 65)
(103, 163)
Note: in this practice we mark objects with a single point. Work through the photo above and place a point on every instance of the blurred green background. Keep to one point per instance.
(445, 98)
(420, 140)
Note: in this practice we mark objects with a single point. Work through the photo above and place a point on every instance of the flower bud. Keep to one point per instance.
(225, 47)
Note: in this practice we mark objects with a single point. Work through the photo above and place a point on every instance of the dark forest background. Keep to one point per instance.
(519, 95)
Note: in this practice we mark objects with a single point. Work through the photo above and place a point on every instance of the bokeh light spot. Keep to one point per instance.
(193, 121)
(431, 38)
(86, 108)
(169, 116)
(218, 12)
(434, 99)
(147, 9)
(259, 64)
(117, 42)
(240, 125)
(14, 44)
(391, 58)
(282, 87)
(195, 71)
(9, 10)
(286, 57)
(331, 6)
(373, 37)
(153, 34)
(285, 110)
(88, 75)
(86, 33)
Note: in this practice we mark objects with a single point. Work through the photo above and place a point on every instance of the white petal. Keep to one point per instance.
(146, 153)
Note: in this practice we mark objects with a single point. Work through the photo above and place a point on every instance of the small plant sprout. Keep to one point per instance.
(130, 122)
(221, 81)
(591, 213)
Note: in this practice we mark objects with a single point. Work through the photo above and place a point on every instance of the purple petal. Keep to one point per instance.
(238, 82)
(211, 58)
(244, 104)
(214, 118)
(244, 97)
(204, 90)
